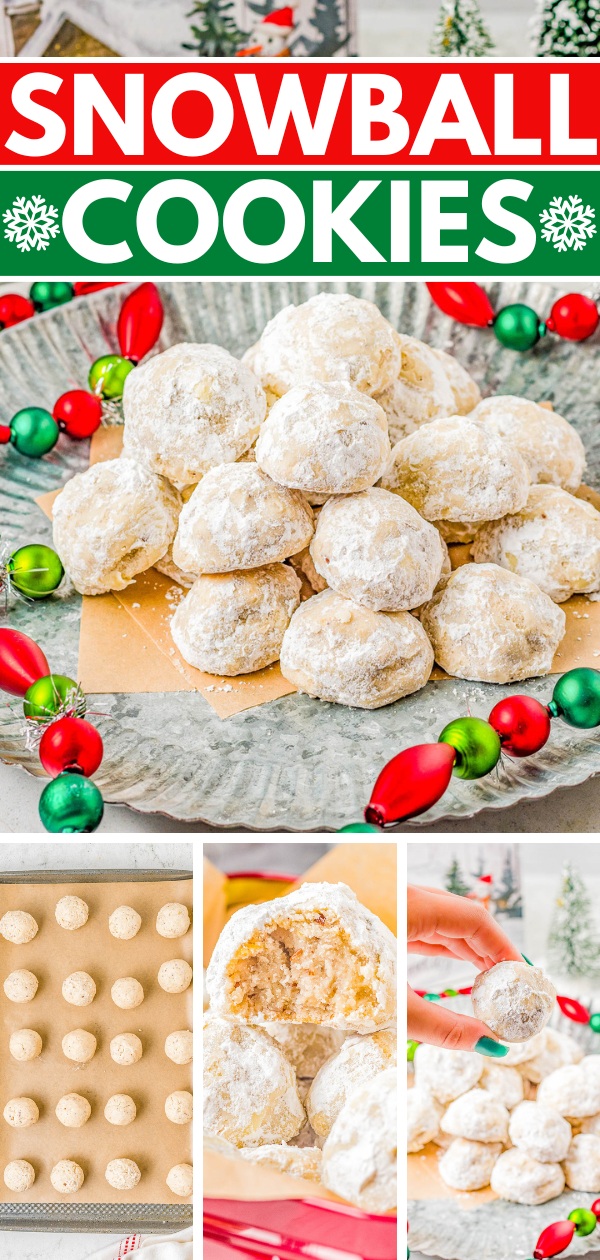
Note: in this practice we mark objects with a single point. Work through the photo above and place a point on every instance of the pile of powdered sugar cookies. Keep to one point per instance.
(527, 1124)
(300, 1043)
(305, 497)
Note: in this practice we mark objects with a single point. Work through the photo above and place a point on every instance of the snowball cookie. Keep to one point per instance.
(124, 923)
(550, 446)
(167, 566)
(359, 1060)
(79, 1045)
(251, 1096)
(446, 1073)
(122, 1174)
(455, 469)
(173, 920)
(79, 989)
(514, 999)
(333, 337)
(540, 1132)
(591, 1124)
(477, 1116)
(189, 409)
(127, 993)
(558, 1050)
(589, 1062)
(376, 550)
(328, 439)
(306, 1046)
(233, 623)
(465, 390)
(178, 1046)
(18, 927)
(21, 1113)
(571, 1091)
(126, 1049)
(554, 541)
(490, 625)
(294, 1161)
(468, 1165)
(336, 650)
(180, 1180)
(19, 1175)
(175, 976)
(25, 1045)
(521, 1179)
(120, 1109)
(421, 391)
(315, 956)
(423, 1115)
(521, 1051)
(582, 1163)
(237, 518)
(359, 1156)
(21, 986)
(73, 1111)
(71, 913)
(505, 1084)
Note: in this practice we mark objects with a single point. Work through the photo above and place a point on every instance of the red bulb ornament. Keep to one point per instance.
(71, 744)
(573, 317)
(22, 662)
(522, 723)
(410, 783)
(92, 286)
(78, 413)
(140, 321)
(466, 302)
(14, 309)
(554, 1239)
(573, 1010)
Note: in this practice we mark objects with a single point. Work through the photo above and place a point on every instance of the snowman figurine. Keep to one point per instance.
(271, 35)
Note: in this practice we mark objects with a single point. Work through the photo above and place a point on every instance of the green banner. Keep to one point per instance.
(458, 224)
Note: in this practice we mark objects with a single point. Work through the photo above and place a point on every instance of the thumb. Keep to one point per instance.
(435, 1024)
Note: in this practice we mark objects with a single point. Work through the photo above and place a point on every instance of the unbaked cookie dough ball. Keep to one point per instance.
(179, 1106)
(376, 550)
(124, 923)
(359, 1060)
(550, 446)
(126, 1048)
(505, 1084)
(490, 625)
(25, 1045)
(455, 469)
(127, 993)
(554, 540)
(514, 999)
(112, 522)
(175, 976)
(334, 337)
(540, 1132)
(423, 1115)
(365, 1136)
(120, 1109)
(179, 1046)
(477, 1116)
(582, 1163)
(465, 390)
(71, 913)
(122, 1174)
(79, 1045)
(421, 391)
(79, 989)
(67, 1177)
(572, 1091)
(251, 1096)
(233, 623)
(21, 1113)
(293, 1161)
(328, 439)
(173, 920)
(190, 408)
(446, 1073)
(467, 1165)
(180, 1180)
(73, 1111)
(18, 927)
(238, 518)
(21, 986)
(19, 1175)
(306, 1046)
(521, 1179)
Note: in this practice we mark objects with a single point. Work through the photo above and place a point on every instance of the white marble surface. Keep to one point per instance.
(34, 1246)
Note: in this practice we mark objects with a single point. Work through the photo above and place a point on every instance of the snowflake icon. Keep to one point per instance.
(567, 225)
(30, 224)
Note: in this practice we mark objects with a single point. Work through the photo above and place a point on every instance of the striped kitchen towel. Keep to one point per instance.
(153, 1246)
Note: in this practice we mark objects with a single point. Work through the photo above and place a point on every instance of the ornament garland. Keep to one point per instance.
(43, 296)
(570, 1007)
(518, 327)
(557, 1237)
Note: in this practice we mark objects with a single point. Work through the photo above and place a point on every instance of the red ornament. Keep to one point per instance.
(574, 1010)
(410, 783)
(91, 286)
(522, 723)
(554, 1239)
(467, 990)
(573, 317)
(5, 434)
(595, 1208)
(78, 413)
(466, 302)
(22, 662)
(14, 309)
(140, 321)
(71, 744)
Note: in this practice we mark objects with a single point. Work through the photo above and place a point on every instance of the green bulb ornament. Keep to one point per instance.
(357, 827)
(410, 1050)
(518, 327)
(585, 1221)
(576, 698)
(45, 294)
(71, 803)
(107, 375)
(48, 696)
(35, 570)
(33, 432)
(477, 746)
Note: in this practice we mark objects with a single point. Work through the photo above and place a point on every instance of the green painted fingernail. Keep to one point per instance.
(527, 960)
(487, 1045)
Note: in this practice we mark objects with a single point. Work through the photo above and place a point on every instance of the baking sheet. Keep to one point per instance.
(154, 1142)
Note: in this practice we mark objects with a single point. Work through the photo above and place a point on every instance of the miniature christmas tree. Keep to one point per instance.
(573, 946)
(567, 28)
(508, 898)
(460, 31)
(219, 35)
(331, 29)
(454, 882)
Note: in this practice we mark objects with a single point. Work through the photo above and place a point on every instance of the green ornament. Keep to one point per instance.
(518, 327)
(585, 1221)
(576, 698)
(33, 431)
(431, 997)
(71, 803)
(35, 570)
(107, 375)
(595, 1023)
(477, 746)
(410, 1050)
(357, 827)
(48, 293)
(450, 993)
(47, 696)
